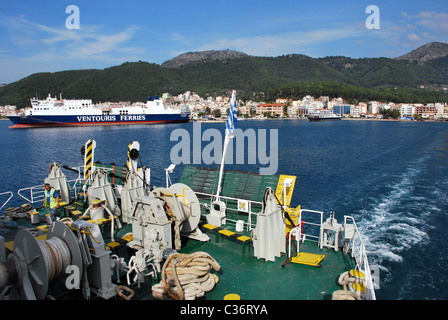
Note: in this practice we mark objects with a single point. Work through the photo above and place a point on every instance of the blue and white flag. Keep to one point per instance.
(232, 119)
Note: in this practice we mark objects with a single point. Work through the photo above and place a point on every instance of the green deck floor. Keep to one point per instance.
(254, 279)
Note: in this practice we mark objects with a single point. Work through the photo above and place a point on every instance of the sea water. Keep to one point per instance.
(390, 176)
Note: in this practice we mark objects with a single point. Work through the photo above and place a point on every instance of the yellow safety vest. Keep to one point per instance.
(52, 198)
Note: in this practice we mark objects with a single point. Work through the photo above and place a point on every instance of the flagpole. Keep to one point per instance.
(221, 169)
(230, 127)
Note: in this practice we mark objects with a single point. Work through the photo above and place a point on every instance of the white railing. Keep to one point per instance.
(249, 224)
(359, 253)
(5, 193)
(297, 231)
(35, 194)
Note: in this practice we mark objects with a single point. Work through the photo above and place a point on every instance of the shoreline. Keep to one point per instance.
(303, 119)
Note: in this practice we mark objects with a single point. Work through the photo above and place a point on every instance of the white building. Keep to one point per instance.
(355, 111)
(407, 110)
(372, 107)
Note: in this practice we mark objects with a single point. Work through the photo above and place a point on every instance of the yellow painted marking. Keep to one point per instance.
(357, 273)
(128, 237)
(209, 226)
(10, 245)
(226, 232)
(42, 237)
(232, 296)
(289, 190)
(113, 244)
(243, 238)
(310, 259)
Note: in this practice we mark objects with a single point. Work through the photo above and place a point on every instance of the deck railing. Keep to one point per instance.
(358, 251)
(250, 223)
(297, 231)
(36, 194)
(7, 200)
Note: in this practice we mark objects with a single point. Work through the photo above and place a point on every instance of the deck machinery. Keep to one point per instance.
(118, 229)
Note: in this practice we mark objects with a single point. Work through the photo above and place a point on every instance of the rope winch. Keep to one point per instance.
(56, 254)
(34, 263)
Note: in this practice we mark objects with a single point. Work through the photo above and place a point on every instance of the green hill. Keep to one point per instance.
(251, 76)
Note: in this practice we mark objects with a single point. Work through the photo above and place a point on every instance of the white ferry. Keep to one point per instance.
(63, 112)
(323, 114)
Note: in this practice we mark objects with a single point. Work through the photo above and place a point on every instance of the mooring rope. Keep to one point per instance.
(187, 277)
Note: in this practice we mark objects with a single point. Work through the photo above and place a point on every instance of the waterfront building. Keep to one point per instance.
(355, 111)
(363, 107)
(272, 108)
(342, 109)
(428, 111)
(293, 111)
(407, 110)
(373, 107)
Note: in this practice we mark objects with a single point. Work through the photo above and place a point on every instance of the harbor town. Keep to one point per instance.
(214, 108)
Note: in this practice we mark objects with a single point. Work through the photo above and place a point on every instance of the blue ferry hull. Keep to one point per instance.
(93, 120)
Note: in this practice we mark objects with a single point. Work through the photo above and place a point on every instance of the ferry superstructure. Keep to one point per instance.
(63, 112)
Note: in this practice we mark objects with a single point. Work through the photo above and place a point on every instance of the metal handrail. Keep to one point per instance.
(36, 195)
(33, 198)
(3, 193)
(359, 253)
(297, 231)
(249, 211)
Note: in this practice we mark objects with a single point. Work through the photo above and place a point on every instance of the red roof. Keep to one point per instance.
(271, 105)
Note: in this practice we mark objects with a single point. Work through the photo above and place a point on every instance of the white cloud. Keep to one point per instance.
(436, 22)
(177, 37)
(52, 47)
(96, 43)
(414, 37)
(290, 42)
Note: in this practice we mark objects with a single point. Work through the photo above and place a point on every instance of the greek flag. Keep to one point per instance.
(231, 120)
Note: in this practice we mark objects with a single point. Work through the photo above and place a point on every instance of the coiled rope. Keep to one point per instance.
(346, 280)
(187, 277)
(57, 256)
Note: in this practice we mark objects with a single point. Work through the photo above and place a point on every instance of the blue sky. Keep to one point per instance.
(34, 37)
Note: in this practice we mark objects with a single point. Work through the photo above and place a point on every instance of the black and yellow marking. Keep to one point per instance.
(129, 157)
(221, 232)
(88, 159)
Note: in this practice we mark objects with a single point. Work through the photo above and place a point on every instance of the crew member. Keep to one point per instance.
(51, 200)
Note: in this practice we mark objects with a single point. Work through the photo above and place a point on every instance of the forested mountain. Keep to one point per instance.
(209, 55)
(253, 77)
(426, 53)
